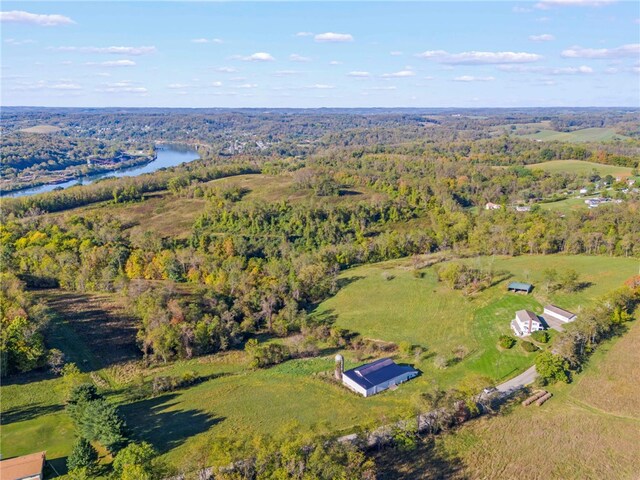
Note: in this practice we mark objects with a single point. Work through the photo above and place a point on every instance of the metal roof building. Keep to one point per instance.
(377, 376)
(520, 287)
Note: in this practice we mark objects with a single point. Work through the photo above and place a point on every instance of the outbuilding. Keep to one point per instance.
(27, 467)
(377, 376)
(559, 313)
(520, 287)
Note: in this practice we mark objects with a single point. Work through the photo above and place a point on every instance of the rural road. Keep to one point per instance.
(516, 383)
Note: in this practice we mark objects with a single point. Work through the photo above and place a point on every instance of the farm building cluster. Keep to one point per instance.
(526, 322)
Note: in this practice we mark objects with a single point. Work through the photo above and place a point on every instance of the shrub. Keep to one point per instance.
(440, 362)
(506, 341)
(540, 336)
(528, 346)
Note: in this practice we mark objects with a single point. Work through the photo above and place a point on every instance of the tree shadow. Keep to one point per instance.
(108, 335)
(56, 467)
(156, 421)
(346, 281)
(425, 462)
(28, 412)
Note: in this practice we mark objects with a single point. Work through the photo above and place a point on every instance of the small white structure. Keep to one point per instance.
(492, 206)
(583, 191)
(525, 323)
(377, 376)
(559, 313)
(523, 208)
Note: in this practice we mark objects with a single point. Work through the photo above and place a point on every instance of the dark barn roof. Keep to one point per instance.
(375, 373)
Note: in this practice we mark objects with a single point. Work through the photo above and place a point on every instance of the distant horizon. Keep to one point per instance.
(121, 107)
(544, 53)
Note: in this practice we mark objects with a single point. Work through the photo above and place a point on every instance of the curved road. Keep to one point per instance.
(516, 383)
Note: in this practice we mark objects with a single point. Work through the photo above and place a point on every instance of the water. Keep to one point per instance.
(167, 156)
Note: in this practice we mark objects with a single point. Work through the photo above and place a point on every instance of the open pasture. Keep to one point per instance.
(385, 301)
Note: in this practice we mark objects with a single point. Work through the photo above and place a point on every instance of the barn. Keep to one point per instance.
(559, 313)
(377, 376)
(520, 287)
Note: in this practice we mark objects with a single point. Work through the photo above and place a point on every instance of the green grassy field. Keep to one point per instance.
(233, 401)
(583, 135)
(580, 167)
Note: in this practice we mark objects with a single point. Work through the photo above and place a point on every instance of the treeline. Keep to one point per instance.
(22, 322)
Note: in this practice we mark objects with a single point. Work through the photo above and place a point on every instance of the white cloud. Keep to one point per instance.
(286, 73)
(113, 63)
(304, 34)
(321, 86)
(216, 84)
(227, 69)
(333, 37)
(479, 58)
(395, 53)
(583, 69)
(115, 50)
(20, 16)
(359, 74)
(400, 74)
(390, 87)
(248, 85)
(545, 37)
(335, 62)
(294, 57)
(469, 78)
(13, 41)
(66, 86)
(178, 85)
(63, 84)
(630, 50)
(546, 4)
(258, 57)
(518, 9)
(122, 87)
(207, 40)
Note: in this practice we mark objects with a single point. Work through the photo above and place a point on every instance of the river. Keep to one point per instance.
(167, 156)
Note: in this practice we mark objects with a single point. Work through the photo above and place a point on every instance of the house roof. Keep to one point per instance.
(560, 311)
(375, 373)
(527, 317)
(520, 286)
(22, 467)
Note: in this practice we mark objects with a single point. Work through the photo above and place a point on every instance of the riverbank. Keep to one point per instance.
(27, 181)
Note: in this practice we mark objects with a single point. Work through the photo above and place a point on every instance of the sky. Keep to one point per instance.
(320, 54)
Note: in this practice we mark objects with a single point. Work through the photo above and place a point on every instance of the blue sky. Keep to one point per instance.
(321, 54)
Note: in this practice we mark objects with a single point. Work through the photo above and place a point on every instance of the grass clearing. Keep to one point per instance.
(595, 134)
(41, 129)
(580, 167)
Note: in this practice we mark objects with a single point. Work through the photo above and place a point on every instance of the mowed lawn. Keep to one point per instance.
(583, 135)
(387, 302)
(580, 167)
(232, 401)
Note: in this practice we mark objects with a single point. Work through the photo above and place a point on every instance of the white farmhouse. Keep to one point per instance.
(525, 323)
(559, 313)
